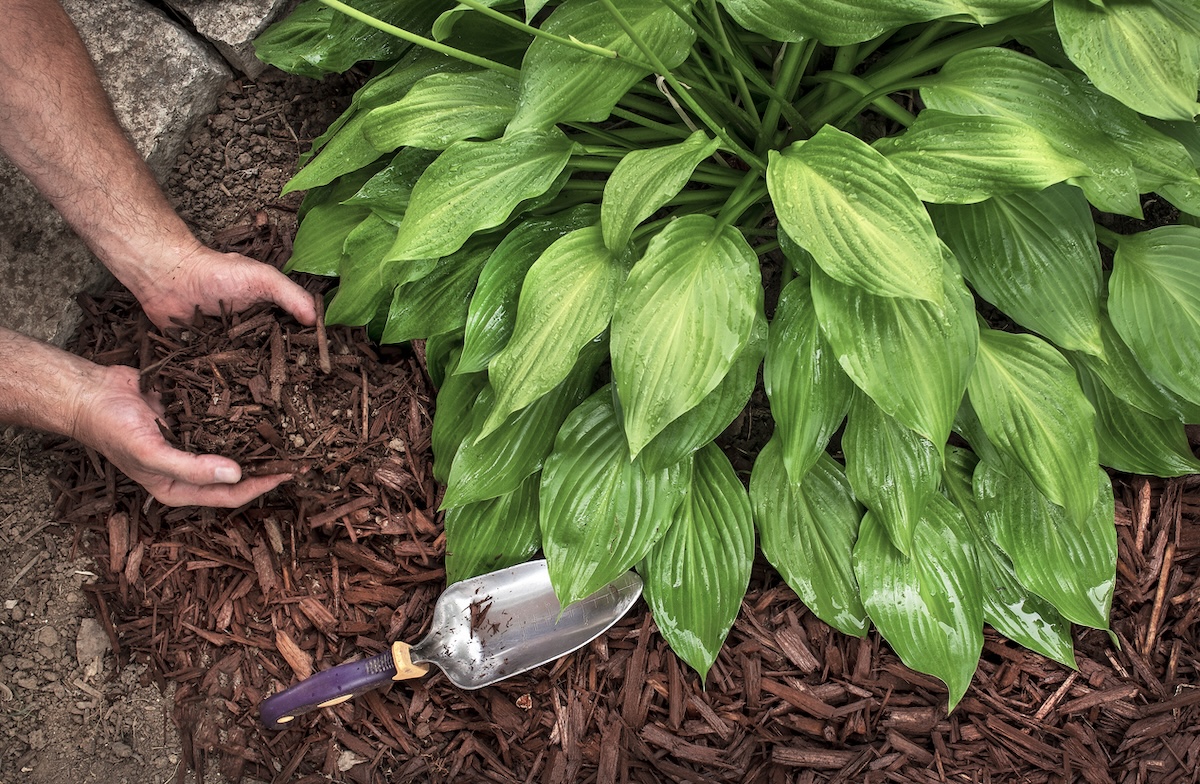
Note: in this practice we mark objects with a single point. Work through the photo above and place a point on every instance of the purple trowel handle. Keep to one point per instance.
(328, 687)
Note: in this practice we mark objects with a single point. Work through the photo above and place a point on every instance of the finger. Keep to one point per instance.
(290, 296)
(224, 496)
(199, 470)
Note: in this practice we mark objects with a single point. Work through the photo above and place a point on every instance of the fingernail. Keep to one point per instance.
(227, 475)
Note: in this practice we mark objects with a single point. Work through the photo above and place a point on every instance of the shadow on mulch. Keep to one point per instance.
(231, 607)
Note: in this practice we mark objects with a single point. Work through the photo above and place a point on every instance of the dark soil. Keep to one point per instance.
(226, 608)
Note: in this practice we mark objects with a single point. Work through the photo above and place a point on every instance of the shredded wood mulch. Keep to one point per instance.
(229, 607)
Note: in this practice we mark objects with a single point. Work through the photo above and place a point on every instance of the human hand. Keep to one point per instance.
(205, 278)
(117, 419)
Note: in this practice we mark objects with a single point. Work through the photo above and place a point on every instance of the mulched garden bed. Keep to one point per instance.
(227, 607)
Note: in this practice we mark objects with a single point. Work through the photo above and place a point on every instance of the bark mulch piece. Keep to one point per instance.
(232, 606)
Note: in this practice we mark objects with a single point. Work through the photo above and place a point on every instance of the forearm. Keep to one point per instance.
(41, 386)
(57, 126)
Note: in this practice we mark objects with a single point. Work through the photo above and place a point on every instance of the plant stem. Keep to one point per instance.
(844, 60)
(669, 130)
(428, 43)
(1107, 237)
(795, 59)
(743, 90)
(880, 101)
(748, 192)
(574, 43)
(731, 143)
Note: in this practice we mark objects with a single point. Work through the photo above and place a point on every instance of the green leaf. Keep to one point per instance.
(476, 185)
(645, 180)
(493, 310)
(566, 301)
(893, 470)
(437, 302)
(1135, 53)
(1009, 607)
(1072, 566)
(697, 573)
(684, 314)
(600, 511)
(387, 193)
(445, 24)
(1134, 441)
(490, 465)
(713, 414)
(809, 392)
(445, 108)
(561, 83)
(321, 236)
(1030, 406)
(1034, 256)
(1154, 302)
(929, 607)
(910, 356)
(1123, 376)
(959, 159)
(851, 209)
(456, 399)
(807, 531)
(1002, 83)
(838, 23)
(365, 284)
(493, 534)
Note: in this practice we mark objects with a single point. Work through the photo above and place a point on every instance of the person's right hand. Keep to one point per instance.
(116, 419)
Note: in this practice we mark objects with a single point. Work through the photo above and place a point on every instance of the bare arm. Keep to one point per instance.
(57, 126)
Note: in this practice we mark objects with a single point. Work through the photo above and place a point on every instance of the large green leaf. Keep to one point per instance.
(1154, 302)
(912, 357)
(493, 310)
(1034, 256)
(1123, 376)
(561, 83)
(702, 424)
(1030, 406)
(809, 392)
(1003, 83)
(600, 511)
(1009, 607)
(837, 23)
(644, 181)
(1133, 441)
(444, 108)
(697, 573)
(893, 470)
(437, 302)
(387, 193)
(807, 531)
(365, 284)
(491, 464)
(684, 314)
(456, 398)
(929, 607)
(960, 159)
(476, 185)
(1072, 566)
(1135, 53)
(566, 301)
(321, 237)
(852, 210)
(493, 534)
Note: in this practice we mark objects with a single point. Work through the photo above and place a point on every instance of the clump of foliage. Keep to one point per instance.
(572, 203)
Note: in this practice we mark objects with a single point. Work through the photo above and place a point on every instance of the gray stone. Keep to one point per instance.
(232, 25)
(91, 643)
(161, 81)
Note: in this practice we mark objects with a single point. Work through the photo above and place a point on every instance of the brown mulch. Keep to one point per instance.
(230, 606)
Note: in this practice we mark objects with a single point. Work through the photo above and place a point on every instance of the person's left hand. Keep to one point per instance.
(204, 278)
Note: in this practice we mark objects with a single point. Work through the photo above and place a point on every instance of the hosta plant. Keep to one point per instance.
(576, 204)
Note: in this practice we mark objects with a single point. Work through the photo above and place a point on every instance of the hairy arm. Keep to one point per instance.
(57, 392)
(58, 127)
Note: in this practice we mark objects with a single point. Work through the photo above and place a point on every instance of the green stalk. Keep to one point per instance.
(669, 130)
(574, 43)
(419, 40)
(885, 105)
(795, 60)
(933, 57)
(1107, 237)
(844, 60)
(743, 90)
(731, 143)
(748, 192)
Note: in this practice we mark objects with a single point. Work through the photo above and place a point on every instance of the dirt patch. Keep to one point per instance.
(222, 609)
